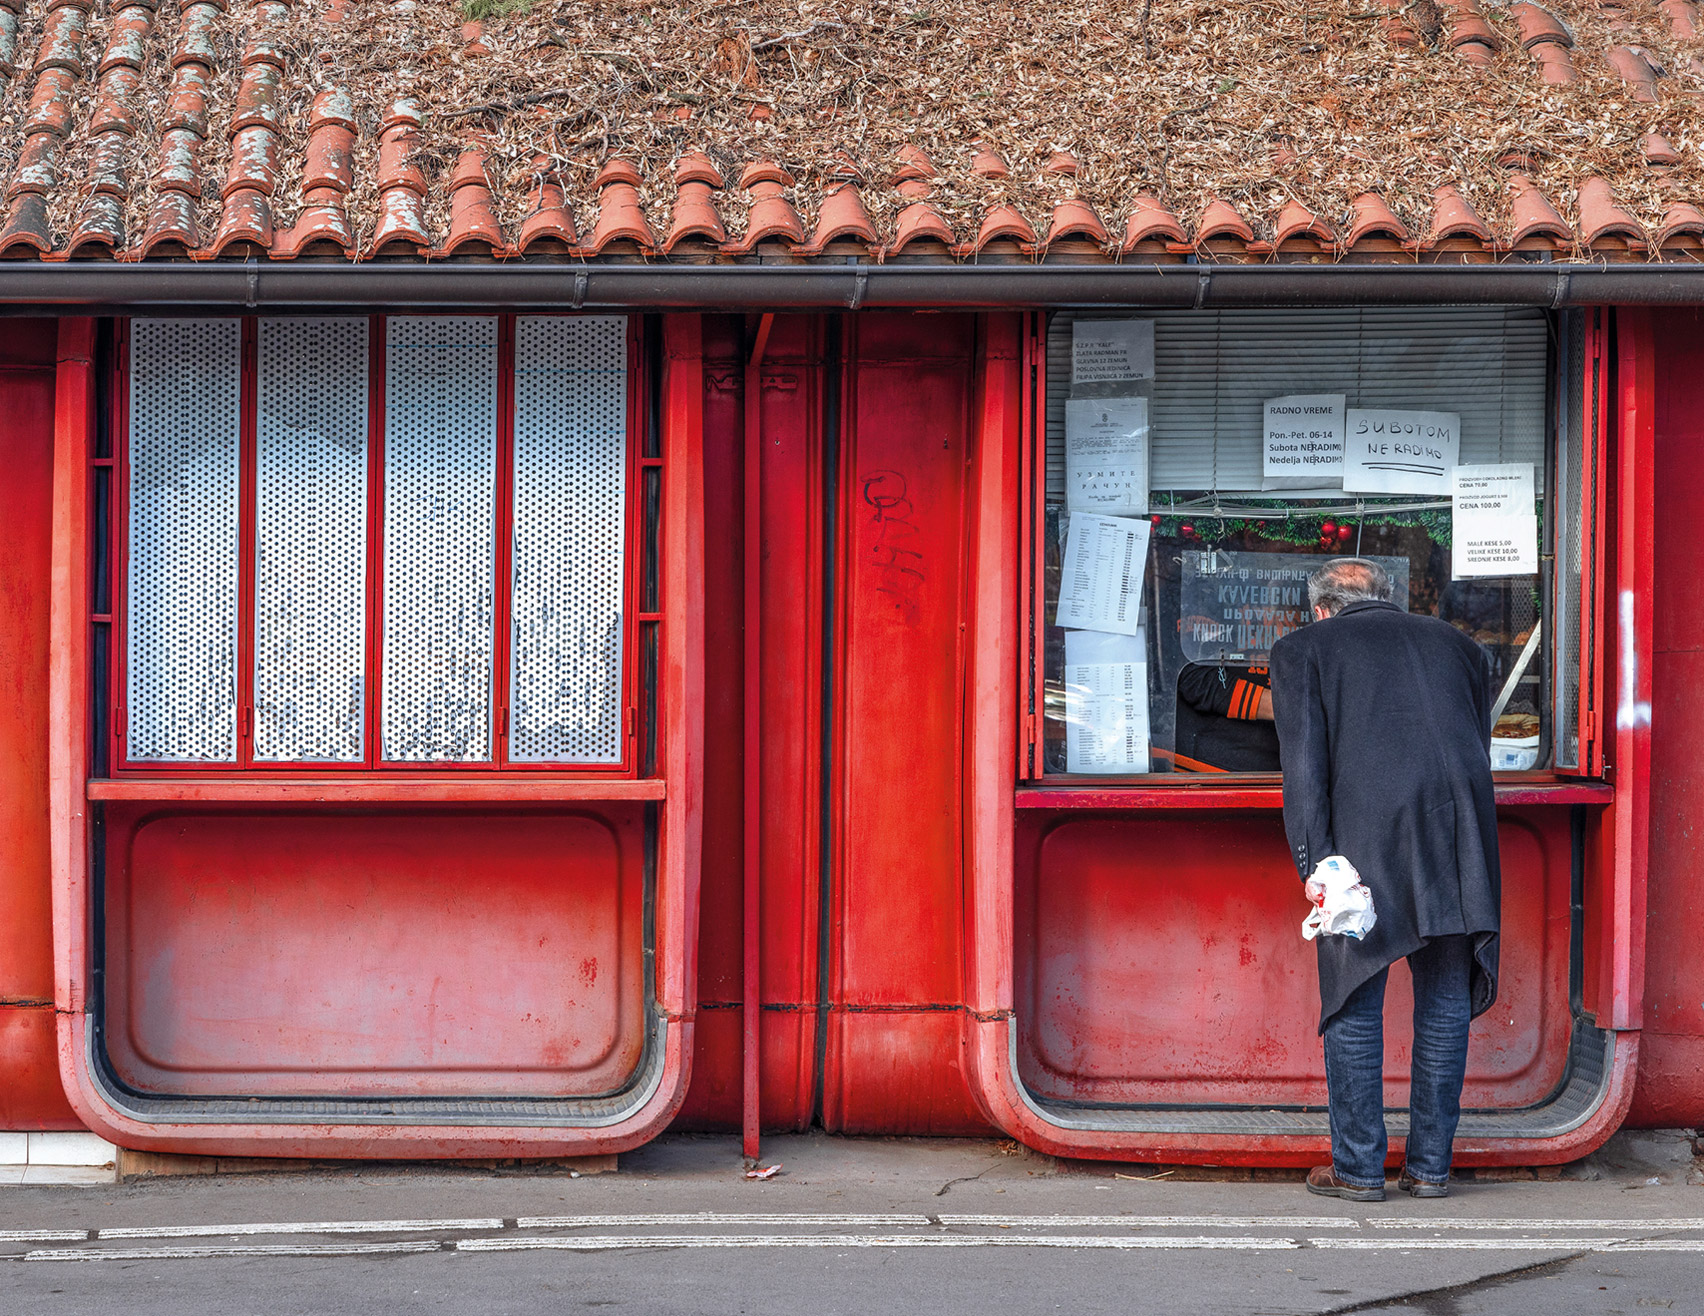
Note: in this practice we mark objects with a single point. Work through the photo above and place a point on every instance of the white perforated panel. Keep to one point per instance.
(570, 493)
(181, 585)
(310, 539)
(440, 510)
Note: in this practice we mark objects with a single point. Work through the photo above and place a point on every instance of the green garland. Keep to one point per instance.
(1300, 528)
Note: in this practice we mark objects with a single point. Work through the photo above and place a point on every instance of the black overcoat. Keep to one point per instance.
(1384, 729)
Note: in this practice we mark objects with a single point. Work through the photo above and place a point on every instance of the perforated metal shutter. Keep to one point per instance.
(181, 583)
(440, 510)
(310, 539)
(1214, 371)
(570, 522)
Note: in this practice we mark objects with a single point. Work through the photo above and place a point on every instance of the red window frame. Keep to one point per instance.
(1033, 601)
(634, 622)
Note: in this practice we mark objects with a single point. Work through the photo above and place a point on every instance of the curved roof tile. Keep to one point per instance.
(1150, 221)
(1220, 220)
(1533, 216)
(1372, 216)
(1600, 217)
(1454, 217)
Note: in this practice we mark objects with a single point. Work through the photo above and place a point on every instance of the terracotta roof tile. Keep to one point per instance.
(1151, 222)
(1636, 71)
(171, 219)
(1073, 218)
(127, 38)
(1682, 217)
(1296, 221)
(99, 226)
(842, 215)
(330, 160)
(1220, 220)
(919, 222)
(112, 111)
(620, 216)
(62, 36)
(1373, 216)
(26, 227)
(1683, 18)
(547, 217)
(1539, 26)
(186, 106)
(473, 221)
(1003, 223)
(247, 217)
(1659, 150)
(1532, 215)
(771, 216)
(1453, 217)
(402, 219)
(321, 219)
(1556, 63)
(1600, 217)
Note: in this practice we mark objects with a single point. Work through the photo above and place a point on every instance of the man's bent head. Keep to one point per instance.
(1346, 580)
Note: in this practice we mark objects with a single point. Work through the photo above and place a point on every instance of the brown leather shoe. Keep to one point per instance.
(1322, 1179)
(1421, 1187)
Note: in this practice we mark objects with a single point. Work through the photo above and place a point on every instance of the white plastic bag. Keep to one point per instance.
(1347, 909)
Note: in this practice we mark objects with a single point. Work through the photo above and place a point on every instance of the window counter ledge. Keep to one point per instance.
(1269, 794)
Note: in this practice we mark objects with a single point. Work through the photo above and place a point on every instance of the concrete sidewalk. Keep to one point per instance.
(856, 1225)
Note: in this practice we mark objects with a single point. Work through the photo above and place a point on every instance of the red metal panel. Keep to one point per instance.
(1097, 929)
(1671, 1068)
(897, 910)
(681, 748)
(410, 953)
(30, 1094)
(1160, 961)
(714, 1099)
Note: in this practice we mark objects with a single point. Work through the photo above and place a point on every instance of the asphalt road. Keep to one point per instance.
(848, 1226)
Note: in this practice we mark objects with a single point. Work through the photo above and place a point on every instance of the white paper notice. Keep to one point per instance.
(1100, 581)
(1388, 451)
(1106, 456)
(1111, 351)
(1495, 521)
(1103, 647)
(1304, 442)
(1106, 717)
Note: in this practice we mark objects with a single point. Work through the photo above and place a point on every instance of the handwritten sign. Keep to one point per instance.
(1106, 456)
(1235, 605)
(1495, 521)
(1387, 451)
(1304, 442)
(1111, 351)
(1100, 581)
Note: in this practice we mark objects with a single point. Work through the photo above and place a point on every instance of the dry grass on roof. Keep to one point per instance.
(1259, 102)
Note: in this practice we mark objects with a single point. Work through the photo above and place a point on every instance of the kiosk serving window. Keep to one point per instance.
(382, 542)
(1200, 465)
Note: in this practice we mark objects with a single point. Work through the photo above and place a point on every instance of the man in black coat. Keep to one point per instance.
(1384, 728)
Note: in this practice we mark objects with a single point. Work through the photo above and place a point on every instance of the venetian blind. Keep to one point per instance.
(1214, 371)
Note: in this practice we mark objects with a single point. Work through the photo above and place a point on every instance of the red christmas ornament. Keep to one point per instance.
(1328, 529)
(1187, 530)
(1343, 532)
(1156, 518)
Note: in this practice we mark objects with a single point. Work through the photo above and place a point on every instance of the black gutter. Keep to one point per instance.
(95, 288)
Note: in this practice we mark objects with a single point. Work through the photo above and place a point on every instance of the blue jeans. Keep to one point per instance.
(1354, 1067)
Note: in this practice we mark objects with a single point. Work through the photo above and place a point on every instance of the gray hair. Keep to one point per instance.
(1346, 580)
